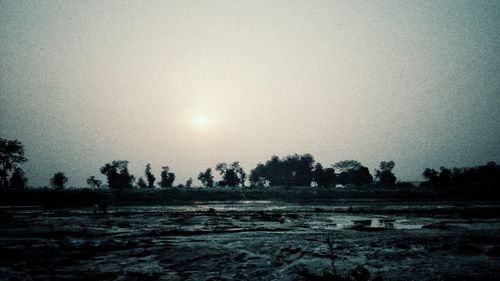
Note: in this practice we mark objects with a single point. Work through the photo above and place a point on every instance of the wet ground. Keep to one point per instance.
(253, 240)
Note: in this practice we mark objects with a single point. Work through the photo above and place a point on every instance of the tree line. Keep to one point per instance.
(291, 170)
(462, 178)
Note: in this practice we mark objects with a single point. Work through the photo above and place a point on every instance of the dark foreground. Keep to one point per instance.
(254, 241)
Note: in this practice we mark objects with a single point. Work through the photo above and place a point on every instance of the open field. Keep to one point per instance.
(253, 240)
(85, 197)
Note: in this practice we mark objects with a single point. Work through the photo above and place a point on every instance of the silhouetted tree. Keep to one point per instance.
(58, 180)
(94, 183)
(149, 176)
(166, 177)
(258, 176)
(228, 173)
(206, 178)
(118, 175)
(189, 182)
(18, 180)
(331, 177)
(319, 175)
(141, 183)
(385, 175)
(353, 172)
(361, 176)
(301, 167)
(486, 176)
(324, 177)
(11, 153)
(292, 170)
(444, 178)
(432, 177)
(239, 172)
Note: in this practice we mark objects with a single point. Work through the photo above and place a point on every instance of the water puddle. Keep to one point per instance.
(365, 223)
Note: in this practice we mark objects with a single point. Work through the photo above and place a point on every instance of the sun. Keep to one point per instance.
(200, 121)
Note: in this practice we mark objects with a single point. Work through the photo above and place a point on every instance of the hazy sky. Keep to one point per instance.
(83, 83)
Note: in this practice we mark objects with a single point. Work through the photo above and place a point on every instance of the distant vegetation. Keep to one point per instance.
(463, 178)
(286, 172)
(118, 176)
(58, 180)
(206, 178)
(12, 155)
(167, 177)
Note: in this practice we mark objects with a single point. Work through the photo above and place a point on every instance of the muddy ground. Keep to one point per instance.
(256, 240)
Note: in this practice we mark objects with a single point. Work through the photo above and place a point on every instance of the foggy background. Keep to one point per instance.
(83, 83)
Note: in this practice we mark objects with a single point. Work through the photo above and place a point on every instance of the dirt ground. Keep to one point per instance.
(251, 241)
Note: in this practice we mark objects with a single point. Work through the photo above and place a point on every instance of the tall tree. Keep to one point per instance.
(118, 175)
(11, 153)
(166, 177)
(206, 178)
(228, 173)
(58, 180)
(239, 172)
(149, 176)
(385, 175)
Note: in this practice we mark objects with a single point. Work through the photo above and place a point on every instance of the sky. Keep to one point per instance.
(190, 84)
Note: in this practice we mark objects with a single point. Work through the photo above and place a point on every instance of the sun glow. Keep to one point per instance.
(200, 121)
